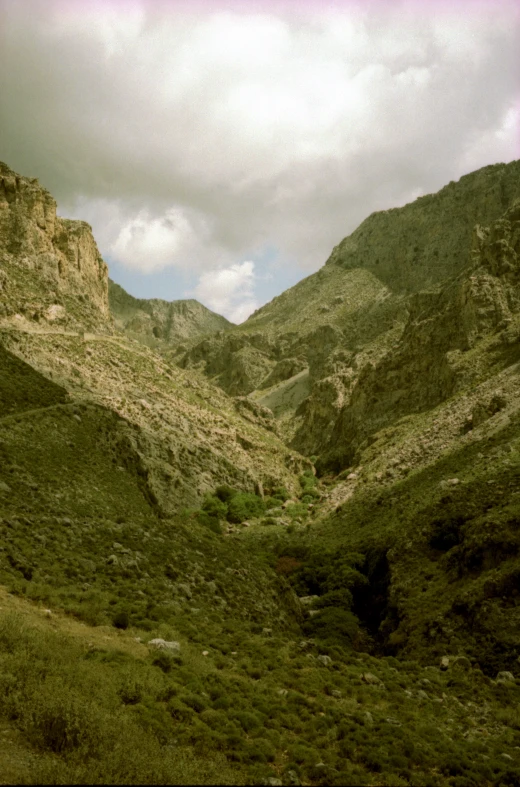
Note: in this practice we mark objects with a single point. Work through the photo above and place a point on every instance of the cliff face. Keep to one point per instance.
(454, 339)
(51, 269)
(162, 324)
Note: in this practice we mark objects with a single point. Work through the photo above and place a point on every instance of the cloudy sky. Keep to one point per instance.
(221, 149)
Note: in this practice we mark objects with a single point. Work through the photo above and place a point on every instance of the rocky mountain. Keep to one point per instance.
(51, 270)
(162, 324)
(56, 317)
(186, 598)
(301, 354)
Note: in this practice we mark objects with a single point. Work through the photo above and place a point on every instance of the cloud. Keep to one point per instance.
(229, 291)
(193, 135)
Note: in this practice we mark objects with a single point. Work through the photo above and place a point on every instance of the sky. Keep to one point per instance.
(220, 150)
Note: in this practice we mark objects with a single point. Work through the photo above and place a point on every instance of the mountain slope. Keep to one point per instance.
(161, 324)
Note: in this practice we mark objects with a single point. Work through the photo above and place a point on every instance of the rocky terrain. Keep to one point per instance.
(162, 324)
(51, 269)
(345, 318)
(280, 553)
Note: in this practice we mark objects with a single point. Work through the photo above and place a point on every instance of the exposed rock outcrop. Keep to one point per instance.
(433, 360)
(51, 269)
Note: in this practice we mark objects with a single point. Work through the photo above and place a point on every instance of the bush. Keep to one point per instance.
(121, 620)
(214, 507)
(225, 493)
(244, 505)
(336, 598)
(333, 624)
(280, 493)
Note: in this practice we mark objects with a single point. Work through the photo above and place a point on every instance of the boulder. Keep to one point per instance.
(162, 644)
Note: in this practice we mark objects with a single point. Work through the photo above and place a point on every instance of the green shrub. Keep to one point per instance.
(243, 506)
(248, 721)
(333, 624)
(195, 702)
(225, 493)
(335, 598)
(214, 507)
(280, 493)
(121, 620)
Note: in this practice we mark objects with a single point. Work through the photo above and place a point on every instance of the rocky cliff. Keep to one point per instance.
(51, 270)
(454, 339)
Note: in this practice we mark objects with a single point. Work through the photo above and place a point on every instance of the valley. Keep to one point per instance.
(283, 552)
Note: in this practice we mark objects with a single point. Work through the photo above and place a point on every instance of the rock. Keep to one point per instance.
(422, 694)
(205, 652)
(325, 660)
(54, 313)
(371, 679)
(267, 632)
(293, 779)
(445, 663)
(352, 476)
(306, 600)
(336, 693)
(282, 692)
(369, 719)
(4, 487)
(313, 612)
(161, 644)
(506, 756)
(395, 722)
(185, 589)
(112, 560)
(271, 781)
(505, 677)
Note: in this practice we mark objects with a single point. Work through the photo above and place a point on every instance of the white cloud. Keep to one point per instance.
(192, 135)
(229, 291)
(151, 244)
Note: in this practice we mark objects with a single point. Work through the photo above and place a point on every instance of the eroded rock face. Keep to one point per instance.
(47, 262)
(430, 363)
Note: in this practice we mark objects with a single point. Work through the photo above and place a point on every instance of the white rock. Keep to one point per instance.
(161, 644)
(325, 660)
(505, 677)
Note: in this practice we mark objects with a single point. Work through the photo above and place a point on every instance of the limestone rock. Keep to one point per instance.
(68, 275)
(161, 644)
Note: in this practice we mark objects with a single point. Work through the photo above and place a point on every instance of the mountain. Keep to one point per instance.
(302, 353)
(187, 599)
(162, 324)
